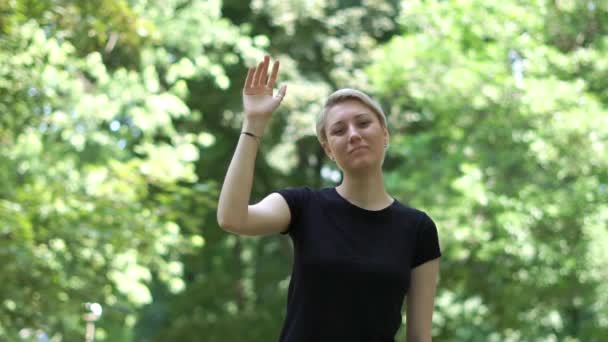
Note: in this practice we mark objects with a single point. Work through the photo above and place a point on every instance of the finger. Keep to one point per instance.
(273, 74)
(265, 73)
(281, 94)
(258, 74)
(249, 79)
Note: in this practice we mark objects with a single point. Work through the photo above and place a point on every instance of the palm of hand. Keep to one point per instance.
(258, 99)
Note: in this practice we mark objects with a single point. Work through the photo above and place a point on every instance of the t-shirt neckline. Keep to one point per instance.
(360, 209)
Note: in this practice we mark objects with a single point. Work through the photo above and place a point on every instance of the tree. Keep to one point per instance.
(499, 116)
(119, 121)
(90, 156)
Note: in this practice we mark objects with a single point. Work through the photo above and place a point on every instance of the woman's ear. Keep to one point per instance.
(386, 136)
(327, 150)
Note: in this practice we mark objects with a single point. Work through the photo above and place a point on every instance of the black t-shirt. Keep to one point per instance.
(351, 266)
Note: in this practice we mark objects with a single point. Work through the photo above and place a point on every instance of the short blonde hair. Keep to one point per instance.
(342, 95)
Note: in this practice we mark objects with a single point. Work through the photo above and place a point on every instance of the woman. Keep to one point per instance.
(357, 250)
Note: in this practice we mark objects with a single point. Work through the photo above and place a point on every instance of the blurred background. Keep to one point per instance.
(118, 120)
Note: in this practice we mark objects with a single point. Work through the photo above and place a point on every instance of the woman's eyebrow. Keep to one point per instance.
(356, 116)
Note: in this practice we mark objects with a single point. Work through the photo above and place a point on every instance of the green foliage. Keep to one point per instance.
(512, 165)
(119, 120)
(84, 172)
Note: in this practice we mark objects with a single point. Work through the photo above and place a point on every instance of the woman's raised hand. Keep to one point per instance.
(258, 99)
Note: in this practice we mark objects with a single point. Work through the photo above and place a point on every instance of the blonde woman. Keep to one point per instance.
(358, 252)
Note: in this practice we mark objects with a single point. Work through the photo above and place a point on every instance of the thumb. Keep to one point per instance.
(281, 93)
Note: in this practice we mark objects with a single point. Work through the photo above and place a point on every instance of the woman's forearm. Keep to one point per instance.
(236, 191)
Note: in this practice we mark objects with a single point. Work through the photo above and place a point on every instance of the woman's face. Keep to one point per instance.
(355, 136)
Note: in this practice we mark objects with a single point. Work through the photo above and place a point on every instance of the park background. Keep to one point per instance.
(118, 120)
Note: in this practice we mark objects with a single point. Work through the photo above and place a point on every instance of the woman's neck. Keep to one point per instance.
(366, 192)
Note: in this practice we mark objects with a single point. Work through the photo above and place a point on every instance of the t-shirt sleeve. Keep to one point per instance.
(296, 199)
(427, 242)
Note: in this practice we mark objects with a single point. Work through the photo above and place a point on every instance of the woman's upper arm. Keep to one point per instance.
(269, 216)
(421, 301)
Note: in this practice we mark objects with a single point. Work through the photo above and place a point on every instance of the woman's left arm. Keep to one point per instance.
(421, 301)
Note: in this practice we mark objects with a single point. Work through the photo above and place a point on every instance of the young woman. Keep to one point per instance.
(358, 252)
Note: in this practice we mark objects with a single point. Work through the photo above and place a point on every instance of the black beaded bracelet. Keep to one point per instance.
(252, 135)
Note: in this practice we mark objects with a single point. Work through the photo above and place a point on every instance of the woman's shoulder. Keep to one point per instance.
(303, 189)
(297, 194)
(297, 189)
(412, 212)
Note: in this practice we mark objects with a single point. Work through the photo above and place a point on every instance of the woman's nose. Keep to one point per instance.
(353, 132)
